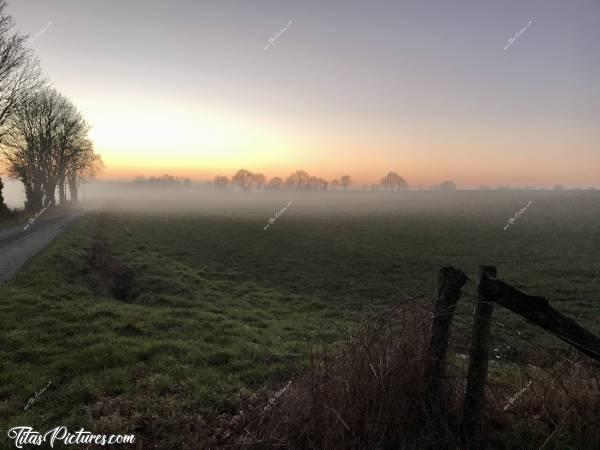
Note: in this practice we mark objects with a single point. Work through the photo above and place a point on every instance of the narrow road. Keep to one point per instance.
(18, 245)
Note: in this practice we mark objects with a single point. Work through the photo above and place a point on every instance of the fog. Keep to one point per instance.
(492, 205)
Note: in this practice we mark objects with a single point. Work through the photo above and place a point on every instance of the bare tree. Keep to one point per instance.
(83, 165)
(242, 179)
(275, 184)
(47, 144)
(298, 180)
(20, 74)
(257, 181)
(345, 181)
(335, 184)
(221, 182)
(317, 184)
(31, 146)
(393, 181)
(71, 134)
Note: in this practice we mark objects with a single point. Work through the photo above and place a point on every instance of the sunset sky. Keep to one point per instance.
(424, 88)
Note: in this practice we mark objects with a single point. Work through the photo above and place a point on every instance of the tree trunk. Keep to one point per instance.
(74, 189)
(62, 189)
(49, 194)
(33, 197)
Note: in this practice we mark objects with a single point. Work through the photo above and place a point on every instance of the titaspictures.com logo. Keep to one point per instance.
(28, 436)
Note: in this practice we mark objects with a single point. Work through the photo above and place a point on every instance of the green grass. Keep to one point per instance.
(223, 307)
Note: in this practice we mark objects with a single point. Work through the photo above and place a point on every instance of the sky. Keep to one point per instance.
(433, 90)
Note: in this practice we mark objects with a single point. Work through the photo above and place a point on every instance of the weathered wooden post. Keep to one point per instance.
(537, 310)
(478, 363)
(450, 283)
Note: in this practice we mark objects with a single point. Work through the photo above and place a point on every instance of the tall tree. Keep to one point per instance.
(20, 74)
(83, 165)
(46, 145)
(31, 146)
(72, 131)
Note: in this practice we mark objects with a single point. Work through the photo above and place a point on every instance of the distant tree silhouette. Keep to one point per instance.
(299, 180)
(164, 181)
(393, 181)
(317, 184)
(558, 187)
(243, 179)
(335, 184)
(221, 182)
(275, 184)
(345, 181)
(448, 185)
(257, 181)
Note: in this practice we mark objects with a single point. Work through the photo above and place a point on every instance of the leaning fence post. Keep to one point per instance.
(478, 364)
(450, 282)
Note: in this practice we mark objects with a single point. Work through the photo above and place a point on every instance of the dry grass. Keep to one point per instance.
(371, 395)
(367, 396)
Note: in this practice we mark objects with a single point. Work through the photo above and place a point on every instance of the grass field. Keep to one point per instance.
(217, 307)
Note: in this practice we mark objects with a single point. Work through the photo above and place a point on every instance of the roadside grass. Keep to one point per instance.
(198, 339)
(219, 307)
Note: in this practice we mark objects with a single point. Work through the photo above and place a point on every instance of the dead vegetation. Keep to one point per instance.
(370, 395)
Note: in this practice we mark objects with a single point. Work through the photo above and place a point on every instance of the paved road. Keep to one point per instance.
(18, 245)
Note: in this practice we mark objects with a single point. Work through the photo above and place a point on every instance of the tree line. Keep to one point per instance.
(44, 139)
(164, 181)
(246, 180)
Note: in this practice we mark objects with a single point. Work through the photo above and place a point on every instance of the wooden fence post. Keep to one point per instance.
(478, 364)
(450, 283)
